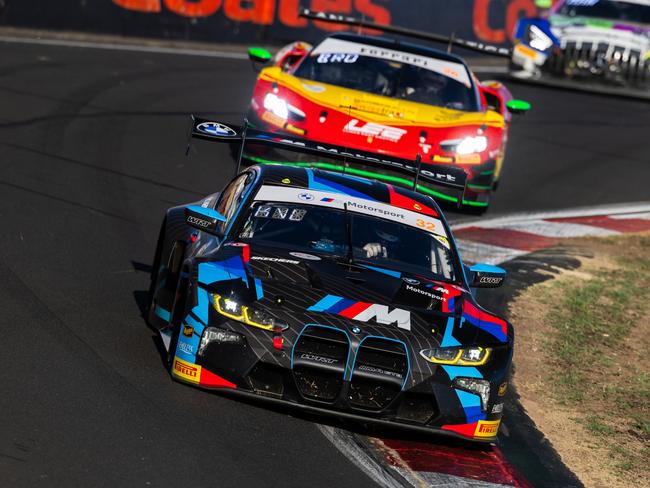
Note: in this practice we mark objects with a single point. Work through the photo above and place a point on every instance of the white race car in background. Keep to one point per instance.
(596, 44)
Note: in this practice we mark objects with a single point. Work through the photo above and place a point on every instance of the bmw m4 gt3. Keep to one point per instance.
(329, 292)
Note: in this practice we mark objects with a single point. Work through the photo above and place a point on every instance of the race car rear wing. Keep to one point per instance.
(400, 172)
(480, 47)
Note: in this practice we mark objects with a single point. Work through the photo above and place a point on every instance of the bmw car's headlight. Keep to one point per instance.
(276, 105)
(229, 307)
(538, 39)
(468, 145)
(250, 315)
(469, 356)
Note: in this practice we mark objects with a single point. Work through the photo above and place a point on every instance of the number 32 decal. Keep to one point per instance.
(425, 224)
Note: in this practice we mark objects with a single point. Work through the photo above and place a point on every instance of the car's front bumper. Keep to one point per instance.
(298, 375)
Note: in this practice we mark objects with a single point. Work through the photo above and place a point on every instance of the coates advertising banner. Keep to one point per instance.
(264, 21)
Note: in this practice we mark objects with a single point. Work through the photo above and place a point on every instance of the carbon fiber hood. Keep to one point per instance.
(304, 289)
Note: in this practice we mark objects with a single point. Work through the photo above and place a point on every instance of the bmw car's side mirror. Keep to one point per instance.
(516, 107)
(259, 55)
(203, 219)
(486, 276)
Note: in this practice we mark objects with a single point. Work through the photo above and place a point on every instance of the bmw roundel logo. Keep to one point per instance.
(306, 197)
(356, 329)
(216, 129)
(411, 281)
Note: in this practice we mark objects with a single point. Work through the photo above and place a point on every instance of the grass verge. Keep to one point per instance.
(582, 366)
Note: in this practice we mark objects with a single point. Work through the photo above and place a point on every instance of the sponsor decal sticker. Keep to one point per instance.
(188, 330)
(274, 260)
(204, 224)
(502, 388)
(490, 280)
(442, 240)
(325, 58)
(216, 129)
(374, 130)
(487, 428)
(303, 255)
(319, 359)
(187, 371)
(425, 293)
(185, 347)
(286, 181)
(363, 312)
(372, 369)
(411, 281)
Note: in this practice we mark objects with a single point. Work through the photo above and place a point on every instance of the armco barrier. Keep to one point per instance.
(262, 21)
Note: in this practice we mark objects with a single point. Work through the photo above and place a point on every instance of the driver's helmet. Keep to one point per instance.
(432, 82)
(388, 237)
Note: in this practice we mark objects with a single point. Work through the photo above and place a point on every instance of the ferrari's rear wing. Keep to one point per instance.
(499, 51)
(401, 172)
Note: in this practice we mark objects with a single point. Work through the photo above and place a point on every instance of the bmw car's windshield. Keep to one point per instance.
(632, 10)
(319, 229)
(390, 73)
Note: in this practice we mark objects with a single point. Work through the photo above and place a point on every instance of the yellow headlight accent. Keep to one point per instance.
(446, 361)
(458, 361)
(217, 306)
(465, 362)
(245, 315)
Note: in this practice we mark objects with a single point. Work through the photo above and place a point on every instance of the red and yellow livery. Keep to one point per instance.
(391, 98)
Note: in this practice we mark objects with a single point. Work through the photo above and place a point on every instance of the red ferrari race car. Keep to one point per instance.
(392, 98)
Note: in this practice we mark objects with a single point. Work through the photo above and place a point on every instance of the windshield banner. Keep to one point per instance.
(328, 49)
(338, 201)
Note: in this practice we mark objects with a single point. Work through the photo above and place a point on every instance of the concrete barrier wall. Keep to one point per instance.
(262, 21)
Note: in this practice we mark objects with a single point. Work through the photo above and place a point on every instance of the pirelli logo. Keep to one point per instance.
(187, 371)
(487, 428)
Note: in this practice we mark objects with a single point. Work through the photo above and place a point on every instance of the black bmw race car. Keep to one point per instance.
(331, 292)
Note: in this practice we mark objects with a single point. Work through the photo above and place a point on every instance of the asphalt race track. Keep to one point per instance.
(92, 149)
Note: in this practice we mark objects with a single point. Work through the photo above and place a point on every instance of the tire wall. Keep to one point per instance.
(262, 21)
